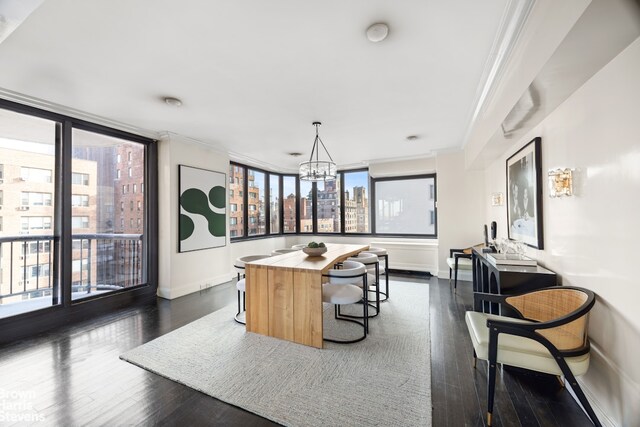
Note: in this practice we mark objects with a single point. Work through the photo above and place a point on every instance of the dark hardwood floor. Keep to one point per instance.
(73, 376)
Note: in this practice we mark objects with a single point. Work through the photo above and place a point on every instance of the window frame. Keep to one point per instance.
(245, 203)
(372, 207)
(63, 309)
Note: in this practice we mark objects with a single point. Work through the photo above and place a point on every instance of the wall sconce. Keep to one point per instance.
(560, 182)
(497, 199)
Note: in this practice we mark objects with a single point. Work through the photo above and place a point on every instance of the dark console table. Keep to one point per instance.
(506, 279)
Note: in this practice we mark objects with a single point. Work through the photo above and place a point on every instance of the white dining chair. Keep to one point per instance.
(373, 277)
(299, 247)
(283, 251)
(346, 286)
(241, 286)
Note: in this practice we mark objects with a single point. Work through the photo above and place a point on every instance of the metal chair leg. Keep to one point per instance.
(239, 310)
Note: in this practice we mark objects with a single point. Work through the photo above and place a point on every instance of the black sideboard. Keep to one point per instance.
(506, 279)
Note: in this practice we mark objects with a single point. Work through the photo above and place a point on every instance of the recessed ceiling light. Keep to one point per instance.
(174, 102)
(412, 137)
(377, 32)
(295, 154)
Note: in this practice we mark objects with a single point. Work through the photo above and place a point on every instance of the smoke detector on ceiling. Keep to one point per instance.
(174, 102)
(377, 32)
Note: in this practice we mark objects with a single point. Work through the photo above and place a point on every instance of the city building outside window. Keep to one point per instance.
(257, 209)
(30, 198)
(306, 207)
(289, 204)
(35, 174)
(356, 202)
(236, 183)
(328, 206)
(79, 200)
(80, 222)
(80, 178)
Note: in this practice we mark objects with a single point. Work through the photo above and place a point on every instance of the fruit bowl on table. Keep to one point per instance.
(314, 251)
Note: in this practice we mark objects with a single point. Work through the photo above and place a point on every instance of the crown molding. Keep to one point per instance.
(513, 20)
(42, 104)
(213, 146)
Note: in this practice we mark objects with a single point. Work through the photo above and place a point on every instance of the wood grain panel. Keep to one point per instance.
(257, 297)
(281, 304)
(307, 315)
(284, 293)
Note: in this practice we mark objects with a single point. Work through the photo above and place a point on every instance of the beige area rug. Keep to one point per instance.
(384, 380)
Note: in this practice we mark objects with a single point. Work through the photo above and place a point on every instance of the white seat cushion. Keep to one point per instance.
(377, 251)
(463, 263)
(366, 258)
(341, 294)
(518, 351)
(241, 285)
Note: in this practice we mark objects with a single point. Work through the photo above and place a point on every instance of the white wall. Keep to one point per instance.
(591, 238)
(183, 273)
(402, 168)
(461, 213)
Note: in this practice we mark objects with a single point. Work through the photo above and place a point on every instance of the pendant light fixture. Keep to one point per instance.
(316, 169)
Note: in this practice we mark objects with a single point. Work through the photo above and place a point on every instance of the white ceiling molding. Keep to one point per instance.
(172, 136)
(71, 112)
(513, 20)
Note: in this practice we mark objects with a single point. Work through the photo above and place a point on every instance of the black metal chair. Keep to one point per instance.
(550, 336)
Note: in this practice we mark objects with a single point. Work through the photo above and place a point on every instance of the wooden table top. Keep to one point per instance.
(298, 260)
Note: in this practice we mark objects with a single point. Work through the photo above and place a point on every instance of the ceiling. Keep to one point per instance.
(253, 75)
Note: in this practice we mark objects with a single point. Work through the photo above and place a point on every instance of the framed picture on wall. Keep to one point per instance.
(524, 195)
(202, 217)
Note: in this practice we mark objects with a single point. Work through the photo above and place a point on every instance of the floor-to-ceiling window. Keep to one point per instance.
(74, 217)
(108, 212)
(27, 213)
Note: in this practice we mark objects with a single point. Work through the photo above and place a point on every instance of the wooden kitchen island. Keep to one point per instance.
(284, 293)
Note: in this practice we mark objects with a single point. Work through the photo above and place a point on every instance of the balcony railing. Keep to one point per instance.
(101, 262)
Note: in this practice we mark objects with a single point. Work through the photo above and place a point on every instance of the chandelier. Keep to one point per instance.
(316, 169)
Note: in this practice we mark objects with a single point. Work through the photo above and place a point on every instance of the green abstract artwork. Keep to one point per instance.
(203, 209)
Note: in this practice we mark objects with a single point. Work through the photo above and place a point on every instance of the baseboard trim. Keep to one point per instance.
(189, 288)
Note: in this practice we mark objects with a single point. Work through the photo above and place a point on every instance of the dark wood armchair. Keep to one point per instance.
(550, 336)
(459, 259)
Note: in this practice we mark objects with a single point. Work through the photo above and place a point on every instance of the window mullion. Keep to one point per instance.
(64, 212)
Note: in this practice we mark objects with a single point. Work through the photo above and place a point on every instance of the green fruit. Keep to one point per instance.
(312, 245)
(321, 245)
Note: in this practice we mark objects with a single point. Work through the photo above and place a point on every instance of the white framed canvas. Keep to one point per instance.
(202, 209)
